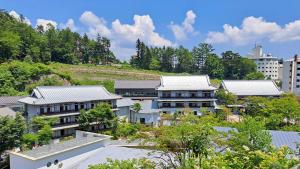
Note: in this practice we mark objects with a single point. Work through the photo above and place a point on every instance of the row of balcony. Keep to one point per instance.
(187, 97)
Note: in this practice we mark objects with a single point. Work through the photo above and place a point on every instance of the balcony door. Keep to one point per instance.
(76, 107)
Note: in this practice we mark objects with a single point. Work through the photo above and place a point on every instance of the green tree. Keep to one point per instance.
(137, 107)
(102, 114)
(251, 133)
(235, 66)
(38, 122)
(11, 132)
(44, 135)
(200, 53)
(125, 164)
(255, 76)
(184, 60)
(30, 140)
(225, 98)
(84, 120)
(9, 45)
(213, 67)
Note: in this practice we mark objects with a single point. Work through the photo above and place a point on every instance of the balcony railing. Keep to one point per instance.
(185, 106)
(186, 97)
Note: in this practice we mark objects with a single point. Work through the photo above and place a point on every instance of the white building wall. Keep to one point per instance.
(123, 113)
(150, 118)
(291, 76)
(269, 67)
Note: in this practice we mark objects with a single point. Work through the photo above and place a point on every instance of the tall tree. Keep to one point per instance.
(200, 53)
(213, 67)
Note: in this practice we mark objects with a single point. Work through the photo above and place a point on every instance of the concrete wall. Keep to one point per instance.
(123, 113)
(150, 118)
(68, 159)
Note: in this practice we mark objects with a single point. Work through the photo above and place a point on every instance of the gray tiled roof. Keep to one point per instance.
(136, 84)
(279, 138)
(124, 102)
(200, 82)
(6, 111)
(63, 94)
(10, 100)
(251, 87)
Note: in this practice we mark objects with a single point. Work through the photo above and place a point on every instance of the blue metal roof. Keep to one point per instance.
(279, 138)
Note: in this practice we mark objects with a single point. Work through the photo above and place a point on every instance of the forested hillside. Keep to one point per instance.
(19, 41)
(48, 56)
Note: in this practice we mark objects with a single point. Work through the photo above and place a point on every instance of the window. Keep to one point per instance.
(142, 120)
(179, 105)
(205, 104)
(166, 104)
(76, 107)
(81, 106)
(66, 107)
(297, 86)
(195, 113)
(92, 105)
(192, 104)
(41, 109)
(48, 109)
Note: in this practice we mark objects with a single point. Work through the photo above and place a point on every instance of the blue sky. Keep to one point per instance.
(274, 24)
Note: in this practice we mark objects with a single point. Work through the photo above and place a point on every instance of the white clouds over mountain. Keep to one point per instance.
(124, 36)
(253, 29)
(45, 22)
(69, 24)
(182, 31)
(18, 17)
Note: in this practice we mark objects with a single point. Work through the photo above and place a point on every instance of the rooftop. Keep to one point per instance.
(9, 100)
(136, 84)
(6, 111)
(57, 148)
(200, 82)
(251, 87)
(64, 94)
(124, 102)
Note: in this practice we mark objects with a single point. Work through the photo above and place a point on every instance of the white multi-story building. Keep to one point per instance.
(180, 93)
(266, 63)
(291, 75)
(65, 102)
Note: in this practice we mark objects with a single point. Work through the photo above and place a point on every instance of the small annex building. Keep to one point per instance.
(62, 155)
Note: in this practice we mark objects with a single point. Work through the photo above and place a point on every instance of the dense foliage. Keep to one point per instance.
(277, 113)
(16, 133)
(102, 116)
(201, 60)
(194, 143)
(22, 42)
(125, 164)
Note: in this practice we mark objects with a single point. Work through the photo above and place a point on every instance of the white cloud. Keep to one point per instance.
(45, 22)
(142, 28)
(96, 25)
(124, 36)
(182, 31)
(69, 24)
(254, 29)
(18, 17)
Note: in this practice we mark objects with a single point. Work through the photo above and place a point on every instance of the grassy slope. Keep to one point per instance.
(100, 73)
(105, 75)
